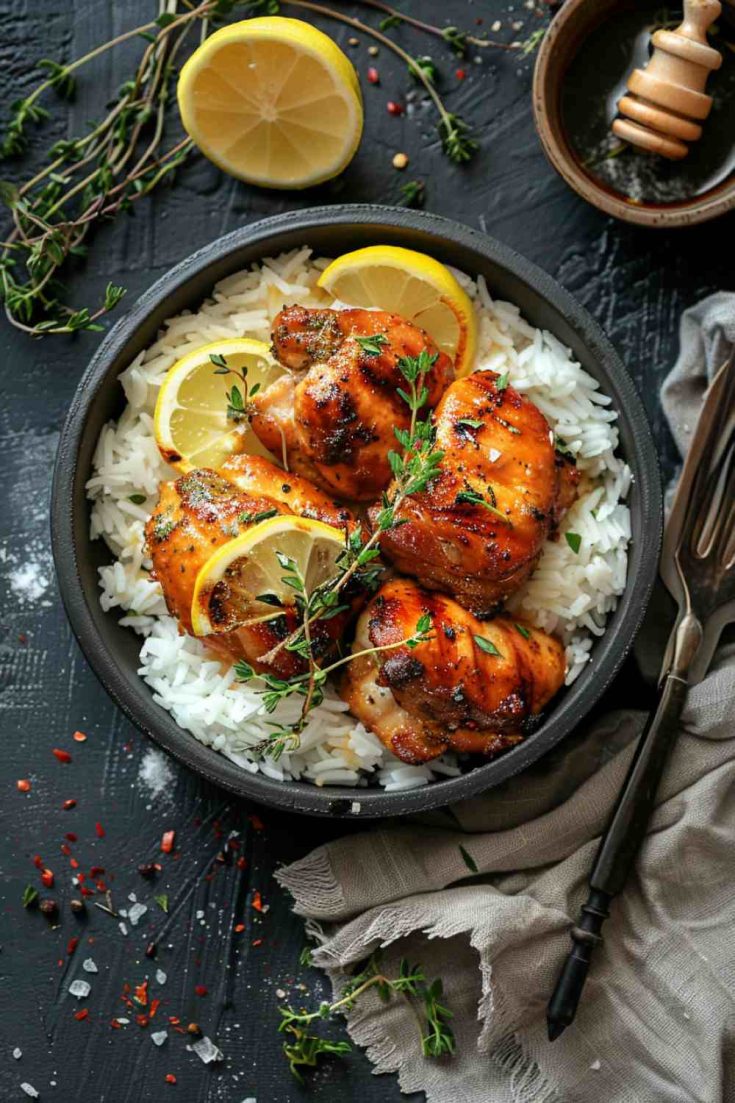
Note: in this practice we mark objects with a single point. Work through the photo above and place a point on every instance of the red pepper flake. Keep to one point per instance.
(100, 830)
(82, 1014)
(233, 844)
(141, 1019)
(167, 841)
(37, 861)
(242, 863)
(79, 737)
(63, 756)
(47, 878)
(101, 886)
(373, 76)
(86, 892)
(256, 822)
(174, 1020)
(68, 805)
(74, 863)
(115, 1024)
(201, 990)
(72, 945)
(65, 849)
(71, 836)
(460, 74)
(170, 1078)
(23, 785)
(155, 1004)
(141, 993)
(239, 928)
(258, 902)
(394, 108)
(96, 871)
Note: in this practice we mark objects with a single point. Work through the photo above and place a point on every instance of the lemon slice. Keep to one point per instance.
(191, 420)
(413, 285)
(273, 101)
(229, 585)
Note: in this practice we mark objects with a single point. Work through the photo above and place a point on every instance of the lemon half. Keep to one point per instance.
(413, 285)
(191, 421)
(272, 101)
(230, 583)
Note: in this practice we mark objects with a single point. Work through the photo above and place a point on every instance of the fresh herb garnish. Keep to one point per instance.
(238, 402)
(522, 629)
(305, 957)
(255, 518)
(469, 861)
(30, 896)
(502, 381)
(437, 1038)
(574, 540)
(470, 422)
(506, 425)
(487, 646)
(137, 499)
(162, 901)
(413, 193)
(374, 344)
(471, 497)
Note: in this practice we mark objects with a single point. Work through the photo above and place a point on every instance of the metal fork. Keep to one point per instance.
(698, 569)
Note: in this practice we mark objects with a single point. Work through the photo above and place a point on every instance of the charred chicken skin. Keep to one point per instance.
(201, 511)
(478, 529)
(334, 419)
(472, 686)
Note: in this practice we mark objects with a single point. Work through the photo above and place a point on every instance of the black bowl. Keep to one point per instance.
(112, 651)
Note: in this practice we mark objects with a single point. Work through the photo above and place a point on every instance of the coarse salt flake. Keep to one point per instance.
(29, 1090)
(17, 1053)
(161, 977)
(80, 989)
(89, 966)
(136, 913)
(207, 1051)
(159, 1037)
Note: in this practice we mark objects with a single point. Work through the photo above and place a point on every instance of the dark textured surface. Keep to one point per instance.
(634, 282)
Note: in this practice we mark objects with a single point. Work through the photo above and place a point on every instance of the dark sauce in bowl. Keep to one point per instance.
(596, 80)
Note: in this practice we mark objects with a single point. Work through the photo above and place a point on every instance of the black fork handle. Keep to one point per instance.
(618, 849)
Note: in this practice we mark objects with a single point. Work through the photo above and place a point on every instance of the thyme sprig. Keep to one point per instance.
(238, 401)
(425, 998)
(90, 177)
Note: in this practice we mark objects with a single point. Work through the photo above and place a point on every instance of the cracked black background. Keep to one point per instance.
(635, 282)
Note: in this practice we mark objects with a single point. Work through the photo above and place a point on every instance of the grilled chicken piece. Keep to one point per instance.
(202, 510)
(335, 422)
(450, 691)
(498, 448)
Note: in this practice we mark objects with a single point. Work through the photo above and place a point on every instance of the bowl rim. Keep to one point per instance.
(546, 95)
(136, 701)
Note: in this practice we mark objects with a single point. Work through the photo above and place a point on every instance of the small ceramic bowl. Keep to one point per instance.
(566, 36)
(113, 651)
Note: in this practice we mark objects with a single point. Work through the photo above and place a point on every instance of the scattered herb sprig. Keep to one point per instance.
(238, 401)
(426, 998)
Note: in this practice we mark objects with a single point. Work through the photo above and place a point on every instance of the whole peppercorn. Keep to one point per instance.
(48, 907)
(151, 949)
(193, 1028)
(147, 869)
(77, 906)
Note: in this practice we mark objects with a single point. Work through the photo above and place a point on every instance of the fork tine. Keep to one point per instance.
(718, 496)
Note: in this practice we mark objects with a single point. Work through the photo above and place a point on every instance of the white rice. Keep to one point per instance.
(569, 594)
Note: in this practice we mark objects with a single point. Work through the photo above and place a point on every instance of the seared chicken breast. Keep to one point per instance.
(473, 686)
(202, 510)
(478, 529)
(334, 419)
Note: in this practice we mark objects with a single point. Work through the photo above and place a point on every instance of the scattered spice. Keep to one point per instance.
(71, 836)
(47, 878)
(68, 805)
(62, 756)
(72, 945)
(79, 737)
(23, 785)
(400, 161)
(258, 902)
(460, 74)
(151, 949)
(48, 907)
(239, 928)
(167, 841)
(77, 906)
(82, 1014)
(373, 76)
(373, 51)
(170, 1078)
(100, 830)
(201, 990)
(394, 108)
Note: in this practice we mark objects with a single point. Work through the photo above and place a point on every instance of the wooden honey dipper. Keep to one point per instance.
(668, 95)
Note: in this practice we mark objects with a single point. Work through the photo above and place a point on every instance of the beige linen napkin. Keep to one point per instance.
(657, 1020)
